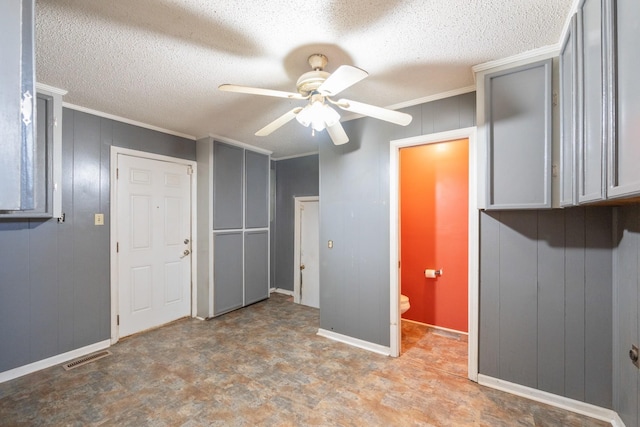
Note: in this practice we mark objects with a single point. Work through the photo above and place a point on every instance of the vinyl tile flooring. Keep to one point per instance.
(265, 365)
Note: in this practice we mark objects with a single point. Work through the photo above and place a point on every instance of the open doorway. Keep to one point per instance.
(306, 250)
(428, 291)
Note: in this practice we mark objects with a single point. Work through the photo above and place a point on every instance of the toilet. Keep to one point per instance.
(404, 303)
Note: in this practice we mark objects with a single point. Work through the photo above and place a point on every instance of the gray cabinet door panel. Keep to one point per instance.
(591, 177)
(227, 186)
(257, 190)
(624, 173)
(568, 105)
(17, 77)
(227, 272)
(518, 107)
(256, 266)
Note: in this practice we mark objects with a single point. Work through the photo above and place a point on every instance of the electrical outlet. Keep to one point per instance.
(99, 219)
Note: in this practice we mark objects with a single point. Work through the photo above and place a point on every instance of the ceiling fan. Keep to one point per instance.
(317, 87)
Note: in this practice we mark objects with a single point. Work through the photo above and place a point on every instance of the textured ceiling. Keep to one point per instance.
(160, 62)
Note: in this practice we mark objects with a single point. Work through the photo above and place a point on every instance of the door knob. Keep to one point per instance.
(301, 266)
(185, 253)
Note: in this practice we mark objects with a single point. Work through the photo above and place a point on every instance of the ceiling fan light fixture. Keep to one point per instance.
(318, 115)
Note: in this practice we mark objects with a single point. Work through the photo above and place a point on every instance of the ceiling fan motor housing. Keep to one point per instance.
(310, 81)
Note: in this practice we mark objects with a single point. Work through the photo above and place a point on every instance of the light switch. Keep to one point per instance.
(99, 219)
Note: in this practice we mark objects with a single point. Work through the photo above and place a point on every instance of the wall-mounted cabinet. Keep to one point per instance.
(18, 150)
(41, 165)
(604, 122)
(233, 227)
(568, 117)
(518, 122)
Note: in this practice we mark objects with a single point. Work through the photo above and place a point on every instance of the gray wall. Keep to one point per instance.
(54, 278)
(294, 177)
(354, 213)
(626, 378)
(546, 300)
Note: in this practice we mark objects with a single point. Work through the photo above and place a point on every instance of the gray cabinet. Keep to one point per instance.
(590, 149)
(256, 266)
(227, 186)
(608, 102)
(518, 111)
(233, 227)
(623, 63)
(568, 115)
(41, 175)
(17, 99)
(257, 190)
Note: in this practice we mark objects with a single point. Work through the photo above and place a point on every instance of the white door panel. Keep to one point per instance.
(154, 265)
(309, 254)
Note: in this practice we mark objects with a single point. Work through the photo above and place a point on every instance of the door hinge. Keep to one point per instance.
(117, 173)
(555, 99)
(117, 247)
(189, 170)
(118, 320)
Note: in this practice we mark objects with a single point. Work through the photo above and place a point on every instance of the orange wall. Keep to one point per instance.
(434, 202)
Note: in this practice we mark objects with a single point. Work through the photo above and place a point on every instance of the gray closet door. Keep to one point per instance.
(591, 176)
(518, 108)
(256, 266)
(257, 190)
(624, 174)
(568, 116)
(227, 272)
(227, 186)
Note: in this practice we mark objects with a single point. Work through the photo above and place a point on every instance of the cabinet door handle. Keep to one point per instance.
(26, 108)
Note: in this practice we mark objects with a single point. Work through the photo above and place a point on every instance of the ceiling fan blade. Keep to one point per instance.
(337, 134)
(260, 91)
(342, 78)
(385, 114)
(283, 119)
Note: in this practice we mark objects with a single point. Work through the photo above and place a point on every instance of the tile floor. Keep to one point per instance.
(265, 365)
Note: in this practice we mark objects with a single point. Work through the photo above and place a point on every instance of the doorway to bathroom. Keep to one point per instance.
(434, 237)
(306, 274)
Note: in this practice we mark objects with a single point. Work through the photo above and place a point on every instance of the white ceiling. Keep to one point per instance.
(160, 62)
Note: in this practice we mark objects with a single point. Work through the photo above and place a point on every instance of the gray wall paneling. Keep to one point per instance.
(294, 177)
(256, 266)
(354, 212)
(228, 272)
(228, 186)
(257, 190)
(55, 287)
(546, 300)
(627, 303)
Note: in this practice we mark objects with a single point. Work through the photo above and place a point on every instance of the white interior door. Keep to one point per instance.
(154, 242)
(309, 254)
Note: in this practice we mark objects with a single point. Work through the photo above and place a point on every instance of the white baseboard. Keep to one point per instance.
(561, 402)
(52, 361)
(366, 345)
(440, 328)
(282, 291)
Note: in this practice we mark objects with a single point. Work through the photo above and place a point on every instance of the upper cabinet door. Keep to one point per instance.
(591, 152)
(257, 190)
(518, 108)
(623, 17)
(17, 99)
(568, 116)
(228, 184)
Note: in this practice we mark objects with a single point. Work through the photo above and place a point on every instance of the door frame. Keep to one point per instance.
(113, 233)
(474, 233)
(297, 235)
